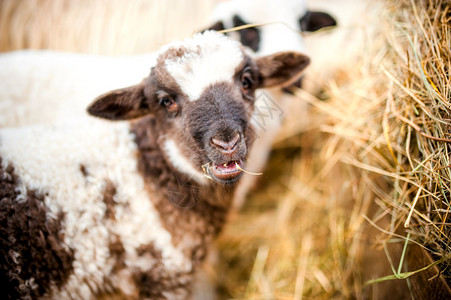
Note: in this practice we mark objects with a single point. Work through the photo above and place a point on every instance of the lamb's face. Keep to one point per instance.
(201, 94)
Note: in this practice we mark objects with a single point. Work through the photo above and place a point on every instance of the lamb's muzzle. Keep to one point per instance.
(229, 147)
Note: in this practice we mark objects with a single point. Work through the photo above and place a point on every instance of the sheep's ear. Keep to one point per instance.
(218, 26)
(281, 68)
(121, 104)
(315, 20)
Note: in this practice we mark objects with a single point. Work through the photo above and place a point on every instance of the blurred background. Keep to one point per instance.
(354, 200)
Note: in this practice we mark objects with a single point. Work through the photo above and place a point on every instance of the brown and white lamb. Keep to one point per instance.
(91, 207)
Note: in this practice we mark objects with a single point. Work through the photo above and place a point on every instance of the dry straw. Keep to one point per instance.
(416, 121)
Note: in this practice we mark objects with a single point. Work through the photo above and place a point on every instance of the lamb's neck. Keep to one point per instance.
(186, 208)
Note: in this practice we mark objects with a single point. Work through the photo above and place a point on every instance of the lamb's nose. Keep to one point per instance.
(227, 147)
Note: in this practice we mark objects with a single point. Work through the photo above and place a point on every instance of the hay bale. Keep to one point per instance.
(416, 129)
(407, 138)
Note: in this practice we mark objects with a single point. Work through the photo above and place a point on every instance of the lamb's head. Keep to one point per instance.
(200, 95)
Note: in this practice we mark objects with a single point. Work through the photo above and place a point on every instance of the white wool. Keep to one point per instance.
(210, 58)
(48, 159)
(181, 163)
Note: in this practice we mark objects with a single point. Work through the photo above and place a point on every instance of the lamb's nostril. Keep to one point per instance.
(226, 147)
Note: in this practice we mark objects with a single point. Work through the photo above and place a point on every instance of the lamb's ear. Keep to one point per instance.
(121, 104)
(218, 26)
(281, 68)
(315, 20)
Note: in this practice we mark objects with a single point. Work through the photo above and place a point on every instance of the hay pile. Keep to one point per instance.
(407, 132)
(347, 201)
(417, 124)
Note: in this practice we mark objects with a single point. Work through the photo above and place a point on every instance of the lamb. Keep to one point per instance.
(89, 207)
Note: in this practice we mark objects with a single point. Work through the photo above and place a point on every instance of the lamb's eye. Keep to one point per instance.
(166, 101)
(169, 103)
(246, 81)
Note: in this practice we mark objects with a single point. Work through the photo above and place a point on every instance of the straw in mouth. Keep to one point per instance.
(228, 171)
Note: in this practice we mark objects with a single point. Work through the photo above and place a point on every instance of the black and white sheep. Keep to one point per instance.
(91, 207)
(282, 21)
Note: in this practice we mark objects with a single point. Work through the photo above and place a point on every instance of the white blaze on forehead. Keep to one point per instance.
(209, 58)
(181, 163)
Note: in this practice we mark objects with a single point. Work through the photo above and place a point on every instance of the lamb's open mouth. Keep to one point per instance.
(228, 172)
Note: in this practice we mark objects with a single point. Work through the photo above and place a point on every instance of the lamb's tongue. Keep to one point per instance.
(230, 166)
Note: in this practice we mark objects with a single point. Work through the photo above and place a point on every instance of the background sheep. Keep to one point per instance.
(89, 207)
